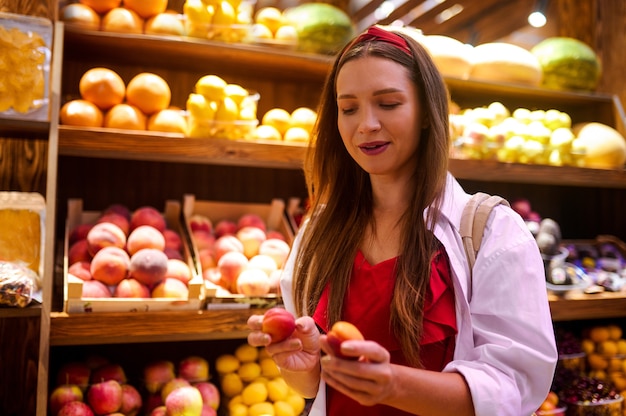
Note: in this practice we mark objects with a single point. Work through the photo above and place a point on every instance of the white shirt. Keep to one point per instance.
(505, 346)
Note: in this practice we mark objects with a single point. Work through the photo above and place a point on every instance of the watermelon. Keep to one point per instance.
(322, 28)
(568, 64)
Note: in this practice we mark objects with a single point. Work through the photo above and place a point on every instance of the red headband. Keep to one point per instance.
(376, 33)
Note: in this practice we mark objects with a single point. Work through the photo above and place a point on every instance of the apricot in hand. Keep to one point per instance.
(342, 331)
(278, 323)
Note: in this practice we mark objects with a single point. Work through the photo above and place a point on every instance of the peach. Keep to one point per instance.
(180, 270)
(199, 222)
(148, 266)
(173, 384)
(212, 274)
(230, 266)
(278, 323)
(342, 331)
(276, 249)
(207, 258)
(157, 373)
(110, 265)
(117, 219)
(276, 234)
(251, 237)
(95, 289)
(131, 288)
(171, 288)
(111, 371)
(210, 394)
(120, 209)
(251, 220)
(194, 369)
(81, 269)
(203, 239)
(253, 282)
(147, 215)
(144, 236)
(173, 239)
(225, 227)
(173, 253)
(263, 262)
(275, 281)
(105, 234)
(225, 244)
(79, 233)
(74, 372)
(131, 400)
(79, 251)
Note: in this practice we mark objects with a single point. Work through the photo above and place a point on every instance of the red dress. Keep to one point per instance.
(367, 305)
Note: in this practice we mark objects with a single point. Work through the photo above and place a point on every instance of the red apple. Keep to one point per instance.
(62, 394)
(172, 385)
(208, 410)
(184, 401)
(210, 394)
(342, 331)
(152, 402)
(131, 400)
(75, 409)
(279, 323)
(74, 372)
(105, 397)
(157, 373)
(111, 371)
(159, 411)
(194, 369)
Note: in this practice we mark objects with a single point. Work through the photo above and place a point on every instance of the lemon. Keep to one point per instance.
(303, 117)
(224, 14)
(269, 368)
(200, 108)
(286, 33)
(249, 371)
(246, 353)
(254, 393)
(269, 16)
(231, 384)
(196, 11)
(297, 134)
(212, 87)
(235, 399)
(238, 409)
(265, 132)
(297, 402)
(278, 118)
(227, 363)
(247, 113)
(260, 31)
(261, 409)
(196, 29)
(277, 389)
(198, 129)
(236, 92)
(282, 408)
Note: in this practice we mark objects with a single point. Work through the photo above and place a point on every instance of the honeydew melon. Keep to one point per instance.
(603, 146)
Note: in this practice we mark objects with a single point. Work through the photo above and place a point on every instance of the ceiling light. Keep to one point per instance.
(538, 18)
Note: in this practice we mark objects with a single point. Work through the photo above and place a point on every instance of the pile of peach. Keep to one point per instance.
(128, 254)
(241, 256)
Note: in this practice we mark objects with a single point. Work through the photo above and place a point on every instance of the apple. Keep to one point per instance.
(194, 369)
(172, 385)
(184, 401)
(251, 237)
(208, 410)
(75, 409)
(210, 394)
(111, 371)
(63, 394)
(105, 397)
(74, 372)
(157, 373)
(151, 402)
(159, 411)
(279, 323)
(342, 331)
(225, 227)
(131, 400)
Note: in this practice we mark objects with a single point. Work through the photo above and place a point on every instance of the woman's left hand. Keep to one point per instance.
(368, 380)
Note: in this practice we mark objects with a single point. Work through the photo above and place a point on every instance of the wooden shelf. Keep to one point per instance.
(26, 129)
(33, 310)
(581, 306)
(121, 328)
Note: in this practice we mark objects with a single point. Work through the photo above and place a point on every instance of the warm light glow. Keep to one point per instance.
(537, 19)
(449, 13)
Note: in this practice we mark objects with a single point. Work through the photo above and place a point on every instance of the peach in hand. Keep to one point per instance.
(343, 331)
(278, 323)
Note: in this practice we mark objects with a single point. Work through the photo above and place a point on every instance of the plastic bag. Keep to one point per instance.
(17, 284)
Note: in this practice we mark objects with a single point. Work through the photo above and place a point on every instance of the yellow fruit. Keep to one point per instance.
(125, 116)
(269, 368)
(260, 31)
(236, 92)
(165, 24)
(599, 334)
(269, 16)
(597, 362)
(212, 87)
(607, 348)
(231, 384)
(247, 114)
(283, 408)
(249, 371)
(146, 8)
(621, 346)
(296, 134)
(103, 87)
(264, 132)
(122, 20)
(225, 14)
(615, 332)
(277, 389)
(263, 354)
(149, 92)
(615, 364)
(200, 108)
(254, 393)
(246, 353)
(286, 33)
(81, 113)
(227, 363)
(81, 15)
(227, 110)
(101, 6)
(297, 402)
(238, 409)
(168, 120)
(261, 409)
(303, 117)
(197, 12)
(279, 118)
(588, 346)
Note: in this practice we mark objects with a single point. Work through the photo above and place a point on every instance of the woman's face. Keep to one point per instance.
(379, 116)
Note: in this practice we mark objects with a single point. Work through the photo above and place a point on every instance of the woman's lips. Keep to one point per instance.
(373, 148)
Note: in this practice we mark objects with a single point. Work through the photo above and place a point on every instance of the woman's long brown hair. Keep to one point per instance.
(342, 205)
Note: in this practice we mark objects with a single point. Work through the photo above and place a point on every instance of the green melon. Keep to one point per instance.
(568, 64)
(322, 28)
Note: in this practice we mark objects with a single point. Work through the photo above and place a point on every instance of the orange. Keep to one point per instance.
(81, 15)
(146, 8)
(102, 6)
(81, 113)
(103, 87)
(168, 120)
(122, 20)
(149, 92)
(125, 116)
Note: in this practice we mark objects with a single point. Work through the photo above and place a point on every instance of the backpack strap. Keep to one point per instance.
(474, 220)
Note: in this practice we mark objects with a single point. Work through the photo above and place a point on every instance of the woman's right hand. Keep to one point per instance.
(300, 352)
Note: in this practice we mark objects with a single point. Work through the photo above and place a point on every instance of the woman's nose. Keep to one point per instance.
(368, 121)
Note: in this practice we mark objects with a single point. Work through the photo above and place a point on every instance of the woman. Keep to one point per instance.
(382, 250)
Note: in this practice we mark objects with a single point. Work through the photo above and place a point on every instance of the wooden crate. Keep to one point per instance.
(73, 286)
(275, 218)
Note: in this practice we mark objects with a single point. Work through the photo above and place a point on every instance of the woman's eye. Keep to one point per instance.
(389, 106)
(348, 111)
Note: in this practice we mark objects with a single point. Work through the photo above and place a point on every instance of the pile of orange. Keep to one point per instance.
(107, 101)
